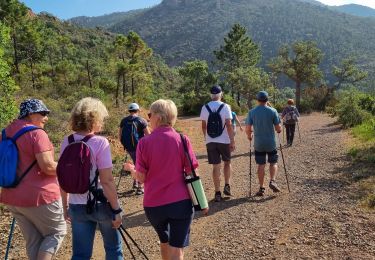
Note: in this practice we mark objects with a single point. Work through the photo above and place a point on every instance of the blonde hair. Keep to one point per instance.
(290, 102)
(87, 113)
(166, 110)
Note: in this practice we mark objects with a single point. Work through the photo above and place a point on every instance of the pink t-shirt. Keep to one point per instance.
(161, 157)
(101, 153)
(36, 188)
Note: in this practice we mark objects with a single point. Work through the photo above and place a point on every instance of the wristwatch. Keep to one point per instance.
(115, 212)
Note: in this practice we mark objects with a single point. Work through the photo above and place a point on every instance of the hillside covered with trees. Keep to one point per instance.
(185, 30)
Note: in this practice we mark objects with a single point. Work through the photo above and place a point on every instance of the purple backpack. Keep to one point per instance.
(74, 166)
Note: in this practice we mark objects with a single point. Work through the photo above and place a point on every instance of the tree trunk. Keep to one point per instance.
(88, 73)
(133, 87)
(117, 90)
(15, 52)
(298, 94)
(239, 99)
(124, 90)
(32, 73)
(52, 75)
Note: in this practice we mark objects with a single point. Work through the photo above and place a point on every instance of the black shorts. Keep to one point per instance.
(260, 157)
(217, 152)
(172, 222)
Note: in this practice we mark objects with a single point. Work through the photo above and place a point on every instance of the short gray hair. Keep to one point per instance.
(166, 110)
(216, 96)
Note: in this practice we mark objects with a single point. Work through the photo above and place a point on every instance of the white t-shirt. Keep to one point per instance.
(225, 113)
(101, 154)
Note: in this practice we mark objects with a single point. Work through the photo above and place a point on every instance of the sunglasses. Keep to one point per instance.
(149, 115)
(43, 113)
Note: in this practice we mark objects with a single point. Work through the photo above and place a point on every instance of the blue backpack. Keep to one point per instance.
(130, 135)
(214, 123)
(9, 158)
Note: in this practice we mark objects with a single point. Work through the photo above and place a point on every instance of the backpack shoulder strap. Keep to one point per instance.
(87, 137)
(71, 139)
(3, 135)
(208, 108)
(23, 131)
(220, 108)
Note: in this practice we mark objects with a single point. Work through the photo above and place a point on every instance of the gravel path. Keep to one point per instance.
(319, 219)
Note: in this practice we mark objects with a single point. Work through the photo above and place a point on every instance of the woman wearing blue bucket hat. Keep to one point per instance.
(34, 198)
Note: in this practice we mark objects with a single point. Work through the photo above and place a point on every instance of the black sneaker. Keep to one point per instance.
(135, 185)
(227, 190)
(218, 197)
(139, 191)
(273, 186)
(261, 192)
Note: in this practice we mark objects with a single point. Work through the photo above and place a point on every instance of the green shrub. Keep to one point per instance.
(366, 130)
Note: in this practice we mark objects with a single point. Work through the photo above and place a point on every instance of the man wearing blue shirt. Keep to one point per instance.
(263, 121)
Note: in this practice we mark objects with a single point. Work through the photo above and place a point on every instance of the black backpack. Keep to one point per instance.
(214, 123)
(129, 134)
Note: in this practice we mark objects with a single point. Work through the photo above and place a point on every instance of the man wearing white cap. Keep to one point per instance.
(217, 129)
(132, 128)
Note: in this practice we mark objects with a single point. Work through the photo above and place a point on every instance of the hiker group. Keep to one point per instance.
(44, 195)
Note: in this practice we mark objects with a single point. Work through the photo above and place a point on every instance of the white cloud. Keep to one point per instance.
(370, 3)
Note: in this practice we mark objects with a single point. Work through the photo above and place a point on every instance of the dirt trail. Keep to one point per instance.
(319, 219)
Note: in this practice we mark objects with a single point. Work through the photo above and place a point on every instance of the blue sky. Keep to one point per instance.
(66, 9)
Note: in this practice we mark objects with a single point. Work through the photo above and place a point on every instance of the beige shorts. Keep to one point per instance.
(43, 227)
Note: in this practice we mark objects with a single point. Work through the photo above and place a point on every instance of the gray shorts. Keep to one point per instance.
(217, 152)
(42, 227)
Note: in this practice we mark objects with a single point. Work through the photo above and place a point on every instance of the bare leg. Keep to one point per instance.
(273, 171)
(164, 249)
(176, 253)
(227, 172)
(216, 176)
(261, 169)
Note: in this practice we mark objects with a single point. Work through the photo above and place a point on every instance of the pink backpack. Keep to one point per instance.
(74, 166)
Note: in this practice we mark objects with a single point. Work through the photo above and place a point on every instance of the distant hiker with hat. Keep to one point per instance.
(133, 128)
(33, 197)
(290, 116)
(261, 123)
(217, 129)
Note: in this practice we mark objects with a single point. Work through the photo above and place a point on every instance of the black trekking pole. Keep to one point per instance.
(282, 155)
(126, 243)
(250, 171)
(10, 238)
(135, 243)
(299, 133)
(284, 133)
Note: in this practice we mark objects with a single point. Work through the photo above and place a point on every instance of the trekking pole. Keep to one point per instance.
(282, 155)
(284, 133)
(250, 171)
(126, 243)
(135, 243)
(10, 238)
(299, 133)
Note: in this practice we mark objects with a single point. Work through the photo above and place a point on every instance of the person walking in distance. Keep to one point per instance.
(133, 128)
(217, 129)
(261, 123)
(290, 116)
(235, 121)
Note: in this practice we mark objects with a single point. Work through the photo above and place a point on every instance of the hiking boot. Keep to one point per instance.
(273, 186)
(139, 191)
(261, 192)
(227, 190)
(135, 185)
(218, 197)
